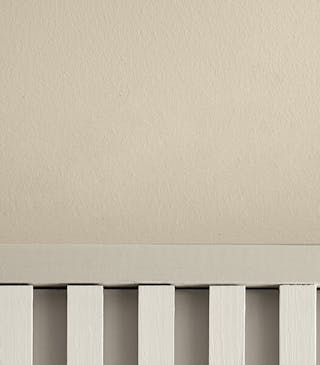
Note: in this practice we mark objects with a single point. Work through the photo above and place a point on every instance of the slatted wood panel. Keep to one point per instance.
(227, 325)
(191, 327)
(156, 325)
(156, 310)
(297, 325)
(16, 317)
(85, 325)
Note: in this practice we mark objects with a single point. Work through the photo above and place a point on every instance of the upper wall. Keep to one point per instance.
(160, 121)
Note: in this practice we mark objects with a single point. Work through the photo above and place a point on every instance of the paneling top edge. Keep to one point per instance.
(181, 265)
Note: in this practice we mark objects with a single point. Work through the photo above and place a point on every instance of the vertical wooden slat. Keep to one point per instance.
(227, 325)
(85, 325)
(297, 325)
(156, 325)
(16, 325)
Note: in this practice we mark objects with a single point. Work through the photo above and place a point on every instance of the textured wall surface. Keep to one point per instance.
(160, 121)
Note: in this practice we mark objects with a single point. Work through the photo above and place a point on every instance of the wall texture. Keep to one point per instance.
(160, 121)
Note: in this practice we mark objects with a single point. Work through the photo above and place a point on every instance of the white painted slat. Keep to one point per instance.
(85, 325)
(227, 325)
(16, 325)
(297, 325)
(156, 325)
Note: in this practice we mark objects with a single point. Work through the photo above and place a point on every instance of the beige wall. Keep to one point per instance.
(160, 121)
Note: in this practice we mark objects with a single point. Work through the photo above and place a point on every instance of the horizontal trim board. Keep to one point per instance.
(180, 265)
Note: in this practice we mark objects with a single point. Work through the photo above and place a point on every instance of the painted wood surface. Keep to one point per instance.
(191, 327)
(297, 325)
(16, 325)
(85, 325)
(122, 265)
(227, 325)
(156, 325)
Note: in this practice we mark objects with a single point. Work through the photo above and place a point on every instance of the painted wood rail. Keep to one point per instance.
(85, 325)
(16, 325)
(297, 325)
(180, 265)
(156, 319)
(156, 325)
(227, 325)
